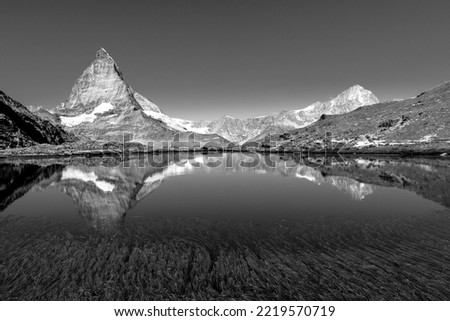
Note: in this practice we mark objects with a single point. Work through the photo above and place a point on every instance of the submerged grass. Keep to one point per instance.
(207, 259)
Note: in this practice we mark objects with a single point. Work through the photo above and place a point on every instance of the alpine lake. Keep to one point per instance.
(225, 226)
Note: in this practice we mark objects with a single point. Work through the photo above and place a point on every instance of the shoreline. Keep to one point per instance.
(347, 152)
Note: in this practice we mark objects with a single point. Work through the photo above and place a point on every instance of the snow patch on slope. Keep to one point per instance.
(177, 123)
(76, 120)
(102, 108)
(74, 173)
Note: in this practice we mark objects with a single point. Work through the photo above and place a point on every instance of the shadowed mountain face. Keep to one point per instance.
(103, 195)
(17, 180)
(20, 128)
(418, 123)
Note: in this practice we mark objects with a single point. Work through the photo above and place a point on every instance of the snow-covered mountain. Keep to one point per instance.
(350, 99)
(242, 130)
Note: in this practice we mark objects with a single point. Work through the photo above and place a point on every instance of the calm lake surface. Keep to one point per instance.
(225, 226)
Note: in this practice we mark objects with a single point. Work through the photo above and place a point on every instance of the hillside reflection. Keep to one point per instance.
(103, 195)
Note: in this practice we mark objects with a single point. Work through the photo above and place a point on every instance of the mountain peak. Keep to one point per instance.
(102, 54)
(101, 82)
(355, 88)
(358, 93)
(102, 99)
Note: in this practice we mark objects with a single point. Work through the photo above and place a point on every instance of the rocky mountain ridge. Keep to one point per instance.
(20, 128)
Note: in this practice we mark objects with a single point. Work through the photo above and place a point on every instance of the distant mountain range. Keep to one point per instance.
(241, 130)
(102, 107)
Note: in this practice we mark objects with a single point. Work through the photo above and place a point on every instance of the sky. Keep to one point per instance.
(202, 59)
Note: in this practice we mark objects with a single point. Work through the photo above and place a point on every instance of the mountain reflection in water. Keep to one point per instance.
(104, 194)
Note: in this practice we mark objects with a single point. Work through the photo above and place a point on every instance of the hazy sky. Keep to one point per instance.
(204, 59)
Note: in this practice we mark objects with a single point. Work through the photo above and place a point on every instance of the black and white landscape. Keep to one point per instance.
(107, 195)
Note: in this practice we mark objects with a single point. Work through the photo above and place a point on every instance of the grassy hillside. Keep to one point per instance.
(420, 123)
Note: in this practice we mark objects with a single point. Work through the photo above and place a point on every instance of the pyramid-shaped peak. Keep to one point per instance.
(102, 54)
